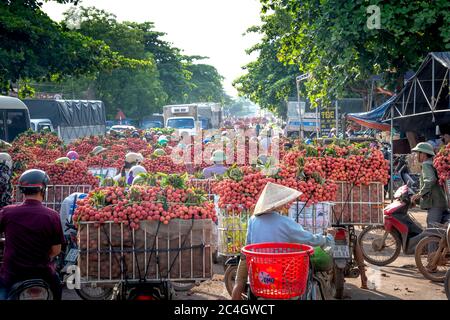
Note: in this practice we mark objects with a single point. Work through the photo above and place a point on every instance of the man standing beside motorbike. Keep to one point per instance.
(431, 195)
(267, 225)
(33, 236)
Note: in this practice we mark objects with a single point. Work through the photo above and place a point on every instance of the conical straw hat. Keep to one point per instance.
(274, 196)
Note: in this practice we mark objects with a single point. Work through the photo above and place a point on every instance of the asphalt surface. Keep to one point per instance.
(399, 281)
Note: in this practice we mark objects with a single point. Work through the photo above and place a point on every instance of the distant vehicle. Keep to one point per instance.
(205, 124)
(293, 122)
(109, 124)
(153, 121)
(14, 118)
(211, 115)
(183, 118)
(39, 125)
(150, 124)
(122, 128)
(71, 119)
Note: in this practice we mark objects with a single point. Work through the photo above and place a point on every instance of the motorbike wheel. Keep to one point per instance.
(90, 292)
(423, 258)
(229, 278)
(339, 280)
(371, 251)
(182, 286)
(447, 285)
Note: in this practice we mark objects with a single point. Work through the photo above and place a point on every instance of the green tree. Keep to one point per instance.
(136, 91)
(165, 75)
(33, 47)
(329, 39)
(206, 84)
(170, 62)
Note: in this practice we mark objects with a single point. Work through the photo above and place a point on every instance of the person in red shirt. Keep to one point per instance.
(33, 237)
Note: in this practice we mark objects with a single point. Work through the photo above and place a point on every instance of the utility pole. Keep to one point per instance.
(298, 79)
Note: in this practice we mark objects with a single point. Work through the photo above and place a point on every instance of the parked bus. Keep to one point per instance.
(14, 118)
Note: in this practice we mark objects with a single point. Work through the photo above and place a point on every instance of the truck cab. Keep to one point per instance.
(182, 118)
(14, 118)
(39, 125)
(183, 124)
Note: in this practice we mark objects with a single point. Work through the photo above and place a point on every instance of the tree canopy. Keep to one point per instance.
(330, 41)
(91, 55)
(32, 46)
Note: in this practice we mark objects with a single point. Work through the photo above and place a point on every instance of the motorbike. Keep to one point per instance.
(33, 289)
(344, 251)
(432, 253)
(229, 277)
(382, 244)
(401, 172)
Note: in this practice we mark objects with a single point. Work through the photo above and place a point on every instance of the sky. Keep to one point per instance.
(212, 28)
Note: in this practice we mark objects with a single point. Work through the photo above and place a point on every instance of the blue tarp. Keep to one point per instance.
(372, 118)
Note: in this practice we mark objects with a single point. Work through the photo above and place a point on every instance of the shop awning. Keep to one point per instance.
(372, 119)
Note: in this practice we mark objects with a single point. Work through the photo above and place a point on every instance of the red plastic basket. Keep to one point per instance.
(278, 270)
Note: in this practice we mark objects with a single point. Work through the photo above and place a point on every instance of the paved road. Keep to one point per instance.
(399, 281)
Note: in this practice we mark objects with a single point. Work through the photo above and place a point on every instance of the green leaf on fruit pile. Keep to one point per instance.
(196, 197)
(311, 152)
(330, 151)
(145, 179)
(163, 199)
(135, 194)
(318, 178)
(199, 175)
(122, 182)
(174, 180)
(98, 198)
(234, 173)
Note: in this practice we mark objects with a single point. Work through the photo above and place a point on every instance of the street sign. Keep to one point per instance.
(327, 120)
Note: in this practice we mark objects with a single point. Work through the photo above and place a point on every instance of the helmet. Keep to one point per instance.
(424, 147)
(33, 180)
(162, 142)
(159, 152)
(135, 134)
(148, 134)
(62, 160)
(132, 157)
(6, 159)
(218, 156)
(72, 155)
(137, 170)
(97, 150)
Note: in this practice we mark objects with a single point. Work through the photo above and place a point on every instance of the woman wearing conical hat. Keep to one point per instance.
(268, 225)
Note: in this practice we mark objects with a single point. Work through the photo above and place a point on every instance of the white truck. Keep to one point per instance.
(182, 117)
(39, 125)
